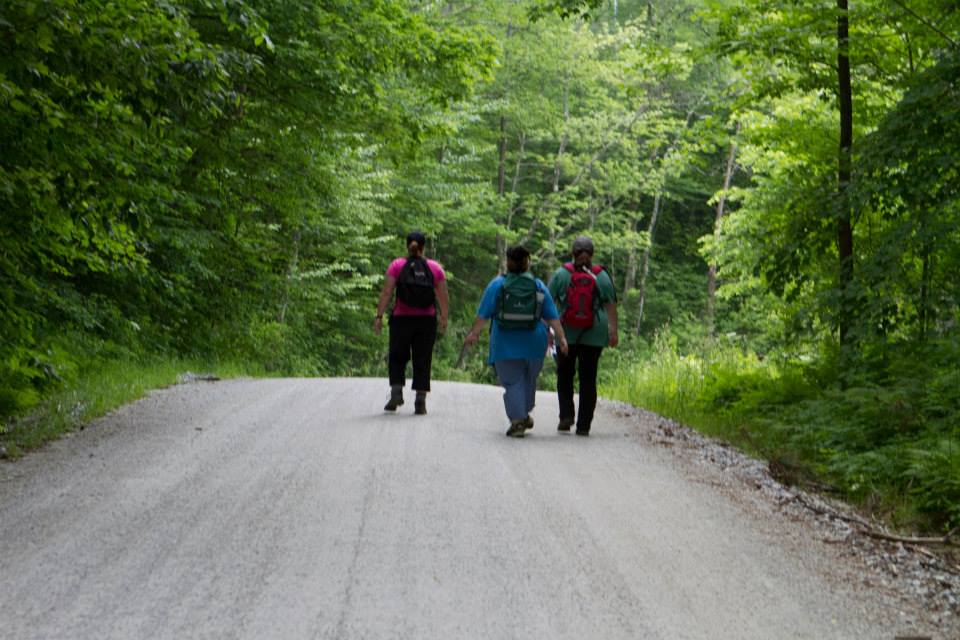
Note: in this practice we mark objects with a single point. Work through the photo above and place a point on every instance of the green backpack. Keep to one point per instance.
(520, 303)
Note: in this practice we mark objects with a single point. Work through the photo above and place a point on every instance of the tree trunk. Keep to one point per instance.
(630, 279)
(501, 171)
(563, 140)
(583, 171)
(516, 168)
(291, 274)
(501, 185)
(926, 276)
(633, 258)
(844, 170)
(557, 168)
(645, 263)
(514, 205)
(712, 272)
(502, 162)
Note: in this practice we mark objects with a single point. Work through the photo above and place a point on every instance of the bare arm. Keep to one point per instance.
(443, 301)
(386, 294)
(474, 333)
(612, 323)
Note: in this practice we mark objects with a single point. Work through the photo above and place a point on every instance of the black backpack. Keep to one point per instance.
(415, 283)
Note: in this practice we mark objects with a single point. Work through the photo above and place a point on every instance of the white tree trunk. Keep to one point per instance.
(712, 272)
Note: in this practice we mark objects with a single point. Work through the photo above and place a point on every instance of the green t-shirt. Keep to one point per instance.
(599, 334)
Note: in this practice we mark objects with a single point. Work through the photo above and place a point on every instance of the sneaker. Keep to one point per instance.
(516, 429)
(528, 423)
(565, 425)
(583, 432)
(395, 400)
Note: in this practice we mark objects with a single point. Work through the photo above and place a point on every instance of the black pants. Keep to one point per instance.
(412, 336)
(583, 360)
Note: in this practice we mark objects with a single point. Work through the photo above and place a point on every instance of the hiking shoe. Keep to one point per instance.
(528, 423)
(395, 400)
(565, 425)
(516, 429)
(420, 404)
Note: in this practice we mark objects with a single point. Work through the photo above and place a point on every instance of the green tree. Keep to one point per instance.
(172, 171)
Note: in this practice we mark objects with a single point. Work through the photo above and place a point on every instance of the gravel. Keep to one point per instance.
(920, 582)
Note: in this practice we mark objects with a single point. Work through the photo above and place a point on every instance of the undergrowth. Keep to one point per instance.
(96, 382)
(888, 442)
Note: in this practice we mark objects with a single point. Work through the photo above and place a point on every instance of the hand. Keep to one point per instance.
(614, 339)
(377, 325)
(564, 349)
(443, 324)
(471, 339)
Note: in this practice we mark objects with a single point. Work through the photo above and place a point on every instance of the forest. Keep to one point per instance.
(219, 185)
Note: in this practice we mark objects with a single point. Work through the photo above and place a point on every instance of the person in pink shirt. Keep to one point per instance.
(421, 289)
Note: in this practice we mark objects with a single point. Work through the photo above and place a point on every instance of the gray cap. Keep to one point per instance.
(582, 243)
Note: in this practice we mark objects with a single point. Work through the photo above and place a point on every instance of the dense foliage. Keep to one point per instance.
(773, 185)
(204, 175)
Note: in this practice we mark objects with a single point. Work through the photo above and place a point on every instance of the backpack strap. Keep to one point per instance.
(525, 274)
(597, 269)
(594, 269)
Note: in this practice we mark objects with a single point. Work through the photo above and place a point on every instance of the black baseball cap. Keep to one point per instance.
(418, 237)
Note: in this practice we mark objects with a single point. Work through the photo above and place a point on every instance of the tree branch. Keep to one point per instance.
(927, 23)
(868, 530)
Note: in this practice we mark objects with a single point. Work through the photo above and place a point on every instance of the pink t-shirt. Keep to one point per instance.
(402, 309)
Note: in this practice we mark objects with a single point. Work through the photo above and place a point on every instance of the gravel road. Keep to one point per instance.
(296, 508)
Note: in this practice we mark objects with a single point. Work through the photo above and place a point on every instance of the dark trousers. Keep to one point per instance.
(412, 336)
(583, 360)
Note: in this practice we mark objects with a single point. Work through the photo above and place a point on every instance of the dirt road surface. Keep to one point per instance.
(299, 509)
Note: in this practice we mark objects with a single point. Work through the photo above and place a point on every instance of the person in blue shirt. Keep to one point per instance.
(517, 354)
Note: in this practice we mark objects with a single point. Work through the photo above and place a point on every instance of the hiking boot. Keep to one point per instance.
(516, 429)
(396, 398)
(565, 425)
(420, 404)
(528, 423)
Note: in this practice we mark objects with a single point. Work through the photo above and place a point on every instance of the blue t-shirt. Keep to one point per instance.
(516, 344)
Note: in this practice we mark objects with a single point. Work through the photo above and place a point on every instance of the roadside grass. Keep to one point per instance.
(891, 446)
(97, 388)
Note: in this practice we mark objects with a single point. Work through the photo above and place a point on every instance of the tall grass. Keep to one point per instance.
(705, 389)
(669, 383)
(889, 442)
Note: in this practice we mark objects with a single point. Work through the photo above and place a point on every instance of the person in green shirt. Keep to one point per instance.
(588, 312)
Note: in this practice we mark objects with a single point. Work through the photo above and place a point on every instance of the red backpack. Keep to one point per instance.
(580, 301)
